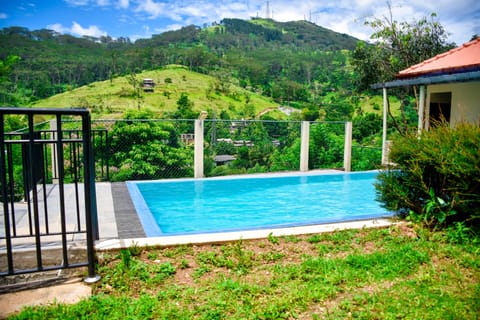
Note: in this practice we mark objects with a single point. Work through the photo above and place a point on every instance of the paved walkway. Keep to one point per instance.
(70, 292)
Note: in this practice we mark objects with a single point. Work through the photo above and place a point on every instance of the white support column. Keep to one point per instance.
(421, 110)
(347, 152)
(53, 151)
(304, 146)
(198, 149)
(384, 135)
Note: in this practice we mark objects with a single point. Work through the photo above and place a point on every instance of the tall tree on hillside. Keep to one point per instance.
(397, 45)
(7, 88)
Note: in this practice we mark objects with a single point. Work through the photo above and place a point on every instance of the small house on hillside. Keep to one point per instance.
(148, 85)
(449, 88)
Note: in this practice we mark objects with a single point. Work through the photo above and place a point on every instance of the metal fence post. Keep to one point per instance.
(5, 195)
(53, 137)
(90, 198)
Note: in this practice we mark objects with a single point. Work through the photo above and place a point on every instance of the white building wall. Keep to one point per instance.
(465, 104)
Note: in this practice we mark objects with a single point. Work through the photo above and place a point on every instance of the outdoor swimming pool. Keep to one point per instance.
(192, 206)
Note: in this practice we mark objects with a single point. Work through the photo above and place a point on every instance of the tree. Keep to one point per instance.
(398, 45)
(185, 108)
(136, 88)
(6, 86)
(147, 149)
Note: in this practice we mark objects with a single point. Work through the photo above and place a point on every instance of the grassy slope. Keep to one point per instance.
(111, 98)
(374, 104)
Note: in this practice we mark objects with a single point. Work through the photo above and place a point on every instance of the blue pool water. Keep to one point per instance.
(187, 206)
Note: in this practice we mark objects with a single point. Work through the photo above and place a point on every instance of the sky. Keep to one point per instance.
(142, 18)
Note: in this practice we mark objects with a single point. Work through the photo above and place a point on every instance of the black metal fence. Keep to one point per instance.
(47, 185)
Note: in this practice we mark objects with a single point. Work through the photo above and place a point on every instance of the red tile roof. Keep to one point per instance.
(466, 57)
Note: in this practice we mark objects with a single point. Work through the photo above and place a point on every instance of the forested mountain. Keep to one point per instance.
(294, 63)
(256, 33)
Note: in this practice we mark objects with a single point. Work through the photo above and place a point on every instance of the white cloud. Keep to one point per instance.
(77, 29)
(127, 19)
(92, 31)
(103, 3)
(77, 2)
(168, 28)
(3, 15)
(123, 4)
(151, 8)
(57, 27)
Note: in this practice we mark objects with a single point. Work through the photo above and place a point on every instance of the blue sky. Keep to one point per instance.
(142, 18)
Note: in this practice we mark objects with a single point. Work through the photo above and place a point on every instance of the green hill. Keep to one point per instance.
(257, 32)
(286, 61)
(110, 98)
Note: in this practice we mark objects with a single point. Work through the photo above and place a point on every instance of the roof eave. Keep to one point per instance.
(427, 80)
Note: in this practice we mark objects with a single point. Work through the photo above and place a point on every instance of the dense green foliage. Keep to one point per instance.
(436, 179)
(287, 61)
(373, 273)
(147, 149)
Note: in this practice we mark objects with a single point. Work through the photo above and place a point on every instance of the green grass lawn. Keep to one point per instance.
(390, 273)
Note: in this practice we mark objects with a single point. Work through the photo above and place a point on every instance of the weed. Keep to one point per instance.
(184, 264)
(293, 239)
(323, 249)
(153, 255)
(272, 239)
(201, 271)
(315, 238)
(135, 250)
(214, 259)
(244, 258)
(459, 233)
(126, 257)
(181, 250)
(272, 256)
(163, 271)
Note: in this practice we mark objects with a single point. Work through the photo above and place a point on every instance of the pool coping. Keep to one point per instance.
(220, 237)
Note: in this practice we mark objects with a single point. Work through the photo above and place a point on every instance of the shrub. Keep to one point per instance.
(436, 178)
